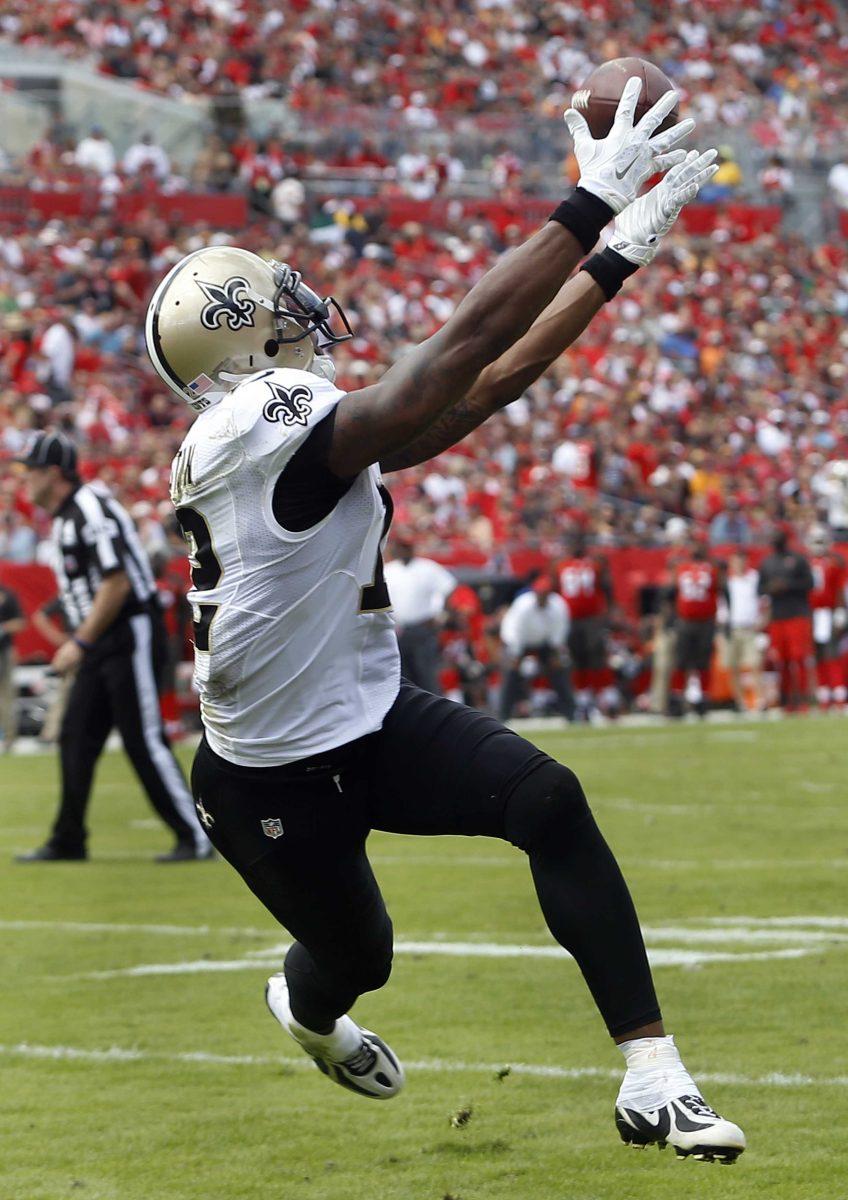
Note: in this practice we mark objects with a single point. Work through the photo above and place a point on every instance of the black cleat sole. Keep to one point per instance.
(727, 1155)
(637, 1140)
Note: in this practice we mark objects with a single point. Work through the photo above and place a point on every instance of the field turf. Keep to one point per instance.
(135, 1068)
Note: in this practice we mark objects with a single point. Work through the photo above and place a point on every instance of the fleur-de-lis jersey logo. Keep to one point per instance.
(227, 302)
(292, 406)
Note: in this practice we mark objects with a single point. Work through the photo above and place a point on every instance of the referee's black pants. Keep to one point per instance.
(117, 687)
(297, 836)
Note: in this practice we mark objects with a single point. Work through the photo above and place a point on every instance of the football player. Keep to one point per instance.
(585, 584)
(827, 600)
(311, 737)
(698, 583)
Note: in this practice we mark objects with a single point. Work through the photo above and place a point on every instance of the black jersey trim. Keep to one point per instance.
(307, 491)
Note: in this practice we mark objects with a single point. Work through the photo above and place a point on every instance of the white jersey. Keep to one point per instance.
(295, 649)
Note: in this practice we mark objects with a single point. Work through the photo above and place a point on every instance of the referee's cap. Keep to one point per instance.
(51, 450)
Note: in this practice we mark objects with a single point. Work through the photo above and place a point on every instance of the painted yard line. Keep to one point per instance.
(518, 861)
(119, 927)
(742, 933)
(822, 929)
(657, 958)
(118, 1054)
(779, 922)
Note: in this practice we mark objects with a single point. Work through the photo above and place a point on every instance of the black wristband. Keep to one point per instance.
(82, 643)
(609, 271)
(583, 215)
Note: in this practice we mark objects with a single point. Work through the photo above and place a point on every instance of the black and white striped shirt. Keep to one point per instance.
(93, 536)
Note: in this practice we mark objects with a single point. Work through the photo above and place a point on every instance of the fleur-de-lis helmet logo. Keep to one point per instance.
(227, 302)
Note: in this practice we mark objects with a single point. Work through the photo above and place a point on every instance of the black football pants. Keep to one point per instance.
(297, 836)
(116, 687)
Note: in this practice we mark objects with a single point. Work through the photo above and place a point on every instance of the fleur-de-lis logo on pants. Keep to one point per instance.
(227, 302)
(292, 406)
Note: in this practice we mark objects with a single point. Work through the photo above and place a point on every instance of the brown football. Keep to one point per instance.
(597, 98)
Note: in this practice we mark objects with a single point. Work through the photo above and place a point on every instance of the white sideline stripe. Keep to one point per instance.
(657, 958)
(118, 1054)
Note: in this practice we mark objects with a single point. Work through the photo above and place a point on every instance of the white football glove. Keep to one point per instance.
(637, 231)
(615, 167)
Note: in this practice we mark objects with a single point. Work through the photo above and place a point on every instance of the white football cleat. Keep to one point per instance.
(659, 1104)
(353, 1057)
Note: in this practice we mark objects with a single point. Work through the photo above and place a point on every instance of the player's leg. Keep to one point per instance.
(601, 677)
(85, 727)
(578, 649)
(559, 679)
(8, 713)
(802, 654)
(705, 643)
(298, 841)
(683, 650)
(735, 653)
(437, 768)
(131, 676)
(512, 686)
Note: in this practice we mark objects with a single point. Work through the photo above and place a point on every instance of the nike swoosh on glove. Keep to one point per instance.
(638, 230)
(615, 167)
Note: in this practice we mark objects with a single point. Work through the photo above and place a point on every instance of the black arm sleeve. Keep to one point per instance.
(307, 491)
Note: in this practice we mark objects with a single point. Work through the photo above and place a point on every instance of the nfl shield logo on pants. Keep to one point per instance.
(272, 827)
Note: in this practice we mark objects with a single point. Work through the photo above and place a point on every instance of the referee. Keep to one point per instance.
(117, 648)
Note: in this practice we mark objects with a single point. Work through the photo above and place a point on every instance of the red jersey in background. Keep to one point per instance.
(829, 575)
(581, 586)
(697, 591)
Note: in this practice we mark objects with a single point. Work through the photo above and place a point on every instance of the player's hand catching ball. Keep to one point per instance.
(637, 231)
(615, 167)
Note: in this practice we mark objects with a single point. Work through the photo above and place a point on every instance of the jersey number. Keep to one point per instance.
(206, 570)
(696, 585)
(375, 597)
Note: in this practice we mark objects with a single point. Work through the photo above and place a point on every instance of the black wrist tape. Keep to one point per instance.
(609, 271)
(584, 216)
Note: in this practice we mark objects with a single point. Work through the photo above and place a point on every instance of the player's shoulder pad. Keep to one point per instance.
(280, 406)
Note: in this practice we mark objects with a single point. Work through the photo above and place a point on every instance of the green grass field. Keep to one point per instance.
(135, 1068)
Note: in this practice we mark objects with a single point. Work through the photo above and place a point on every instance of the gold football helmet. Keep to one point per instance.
(222, 314)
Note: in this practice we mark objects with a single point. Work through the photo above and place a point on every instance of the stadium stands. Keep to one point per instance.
(782, 67)
(710, 397)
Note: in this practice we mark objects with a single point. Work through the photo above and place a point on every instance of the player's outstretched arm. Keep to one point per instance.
(377, 421)
(553, 331)
(637, 234)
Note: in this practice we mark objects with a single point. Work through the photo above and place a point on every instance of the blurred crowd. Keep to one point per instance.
(711, 395)
(779, 65)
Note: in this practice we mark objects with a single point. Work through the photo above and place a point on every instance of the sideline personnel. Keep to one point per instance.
(109, 598)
